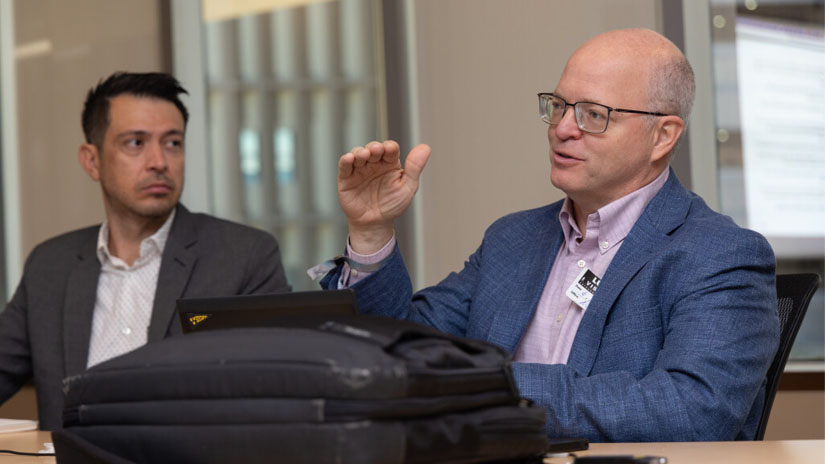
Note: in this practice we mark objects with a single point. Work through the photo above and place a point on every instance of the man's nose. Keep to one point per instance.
(156, 157)
(568, 127)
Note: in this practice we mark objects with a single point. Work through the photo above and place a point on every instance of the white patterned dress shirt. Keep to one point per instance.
(125, 296)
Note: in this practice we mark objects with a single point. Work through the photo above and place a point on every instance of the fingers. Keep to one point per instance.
(392, 152)
(348, 162)
(388, 152)
(416, 160)
(345, 165)
(361, 155)
(373, 152)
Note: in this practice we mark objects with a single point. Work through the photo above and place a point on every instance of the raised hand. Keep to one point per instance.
(373, 190)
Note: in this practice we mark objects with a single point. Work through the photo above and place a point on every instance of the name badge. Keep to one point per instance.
(583, 288)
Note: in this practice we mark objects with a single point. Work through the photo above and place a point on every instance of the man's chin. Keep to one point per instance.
(560, 180)
(158, 210)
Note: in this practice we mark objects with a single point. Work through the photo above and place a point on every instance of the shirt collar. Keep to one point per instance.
(155, 243)
(612, 222)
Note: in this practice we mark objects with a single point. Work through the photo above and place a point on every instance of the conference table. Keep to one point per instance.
(731, 452)
(28, 442)
(727, 452)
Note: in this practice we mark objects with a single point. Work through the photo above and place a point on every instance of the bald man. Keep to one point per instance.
(633, 311)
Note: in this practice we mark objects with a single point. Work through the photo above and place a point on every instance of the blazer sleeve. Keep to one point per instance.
(15, 354)
(388, 293)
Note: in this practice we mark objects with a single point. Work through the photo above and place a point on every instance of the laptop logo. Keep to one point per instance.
(198, 318)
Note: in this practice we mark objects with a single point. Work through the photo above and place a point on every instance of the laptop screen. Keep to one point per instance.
(271, 310)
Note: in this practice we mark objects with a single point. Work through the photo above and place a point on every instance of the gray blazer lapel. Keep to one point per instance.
(79, 305)
(527, 281)
(175, 269)
(665, 213)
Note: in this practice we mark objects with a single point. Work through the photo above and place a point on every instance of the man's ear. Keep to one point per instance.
(667, 132)
(89, 158)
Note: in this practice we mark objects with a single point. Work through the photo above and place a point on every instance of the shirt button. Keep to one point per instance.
(581, 263)
(560, 317)
(126, 330)
(605, 245)
(354, 272)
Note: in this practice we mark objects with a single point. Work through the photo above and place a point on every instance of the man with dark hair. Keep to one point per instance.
(633, 311)
(99, 292)
(95, 117)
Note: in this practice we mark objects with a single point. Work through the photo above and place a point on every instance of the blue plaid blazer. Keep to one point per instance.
(674, 346)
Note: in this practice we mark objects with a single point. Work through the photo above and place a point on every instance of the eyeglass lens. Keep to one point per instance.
(590, 117)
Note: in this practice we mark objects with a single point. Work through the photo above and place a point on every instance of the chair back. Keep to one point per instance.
(793, 294)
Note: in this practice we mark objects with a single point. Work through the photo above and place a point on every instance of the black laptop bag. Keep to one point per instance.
(355, 389)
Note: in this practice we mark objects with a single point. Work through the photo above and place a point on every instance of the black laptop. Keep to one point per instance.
(271, 310)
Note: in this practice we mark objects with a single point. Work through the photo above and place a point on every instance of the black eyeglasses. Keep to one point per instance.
(590, 117)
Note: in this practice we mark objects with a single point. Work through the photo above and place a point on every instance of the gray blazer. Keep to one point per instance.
(46, 327)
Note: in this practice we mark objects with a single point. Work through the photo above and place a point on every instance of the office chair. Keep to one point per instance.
(793, 293)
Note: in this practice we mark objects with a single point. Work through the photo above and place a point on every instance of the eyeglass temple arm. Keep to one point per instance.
(622, 110)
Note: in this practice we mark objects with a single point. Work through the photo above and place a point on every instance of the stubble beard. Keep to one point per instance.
(157, 207)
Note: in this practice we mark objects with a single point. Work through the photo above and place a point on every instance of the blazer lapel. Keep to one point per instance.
(79, 305)
(527, 280)
(175, 270)
(665, 213)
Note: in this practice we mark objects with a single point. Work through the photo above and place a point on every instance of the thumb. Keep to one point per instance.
(416, 160)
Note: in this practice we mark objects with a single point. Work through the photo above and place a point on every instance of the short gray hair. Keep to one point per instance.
(673, 87)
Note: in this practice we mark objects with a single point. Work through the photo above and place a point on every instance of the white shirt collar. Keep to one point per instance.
(151, 245)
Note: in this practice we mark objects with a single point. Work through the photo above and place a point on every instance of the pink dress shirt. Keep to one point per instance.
(550, 335)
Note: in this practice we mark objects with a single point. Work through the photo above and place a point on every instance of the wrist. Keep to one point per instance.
(371, 239)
